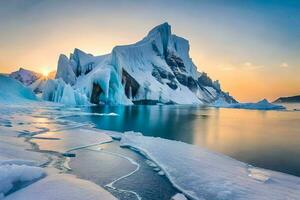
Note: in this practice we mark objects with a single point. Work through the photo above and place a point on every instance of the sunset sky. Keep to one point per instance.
(252, 47)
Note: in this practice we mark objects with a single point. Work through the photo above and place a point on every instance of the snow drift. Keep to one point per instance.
(156, 69)
(11, 174)
(12, 91)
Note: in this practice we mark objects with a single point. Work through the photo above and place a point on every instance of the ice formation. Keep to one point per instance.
(12, 91)
(156, 69)
(260, 105)
(202, 174)
(179, 196)
(59, 91)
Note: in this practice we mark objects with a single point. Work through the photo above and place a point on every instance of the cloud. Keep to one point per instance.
(284, 64)
(251, 66)
(248, 64)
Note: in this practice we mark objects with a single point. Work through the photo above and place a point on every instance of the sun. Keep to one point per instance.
(45, 72)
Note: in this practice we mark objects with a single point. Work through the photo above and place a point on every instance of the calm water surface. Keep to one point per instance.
(268, 139)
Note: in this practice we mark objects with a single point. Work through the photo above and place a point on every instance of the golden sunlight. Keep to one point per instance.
(45, 72)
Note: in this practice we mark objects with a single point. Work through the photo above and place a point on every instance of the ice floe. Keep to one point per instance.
(70, 140)
(179, 196)
(11, 174)
(62, 187)
(202, 174)
(260, 105)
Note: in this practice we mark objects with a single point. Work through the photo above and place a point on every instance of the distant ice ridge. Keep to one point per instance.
(204, 175)
(12, 91)
(25, 76)
(35, 81)
(260, 105)
(156, 69)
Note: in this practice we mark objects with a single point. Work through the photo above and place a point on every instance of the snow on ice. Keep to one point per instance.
(63, 187)
(202, 174)
(11, 174)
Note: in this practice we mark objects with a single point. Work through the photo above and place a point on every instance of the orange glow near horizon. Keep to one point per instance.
(244, 84)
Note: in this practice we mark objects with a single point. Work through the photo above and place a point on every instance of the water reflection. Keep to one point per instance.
(269, 139)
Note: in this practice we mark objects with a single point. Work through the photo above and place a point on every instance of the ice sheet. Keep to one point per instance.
(201, 174)
(68, 140)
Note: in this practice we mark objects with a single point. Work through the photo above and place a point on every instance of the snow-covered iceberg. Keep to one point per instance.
(205, 175)
(12, 91)
(260, 105)
(156, 69)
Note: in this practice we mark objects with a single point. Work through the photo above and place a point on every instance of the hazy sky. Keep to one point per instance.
(252, 47)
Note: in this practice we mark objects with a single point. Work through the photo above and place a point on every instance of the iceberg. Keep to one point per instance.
(58, 91)
(157, 69)
(204, 175)
(260, 105)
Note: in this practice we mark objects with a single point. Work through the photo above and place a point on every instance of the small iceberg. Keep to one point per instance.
(260, 105)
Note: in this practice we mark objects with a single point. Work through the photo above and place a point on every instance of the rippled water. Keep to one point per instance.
(268, 139)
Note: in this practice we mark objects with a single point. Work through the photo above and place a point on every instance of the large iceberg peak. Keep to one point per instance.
(164, 31)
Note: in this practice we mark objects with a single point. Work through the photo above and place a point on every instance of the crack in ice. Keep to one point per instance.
(110, 185)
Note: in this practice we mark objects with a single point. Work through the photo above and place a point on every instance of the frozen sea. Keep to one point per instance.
(65, 141)
(267, 139)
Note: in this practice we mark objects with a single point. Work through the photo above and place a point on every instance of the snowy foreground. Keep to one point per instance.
(26, 173)
(27, 169)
